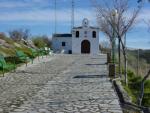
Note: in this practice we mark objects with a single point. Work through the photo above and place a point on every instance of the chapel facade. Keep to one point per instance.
(82, 40)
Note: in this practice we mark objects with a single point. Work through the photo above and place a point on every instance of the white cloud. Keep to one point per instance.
(13, 5)
(46, 15)
(24, 4)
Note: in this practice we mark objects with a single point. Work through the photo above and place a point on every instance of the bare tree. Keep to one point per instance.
(120, 23)
(25, 34)
(19, 34)
(148, 23)
(105, 44)
(106, 29)
(148, 74)
(139, 1)
(142, 89)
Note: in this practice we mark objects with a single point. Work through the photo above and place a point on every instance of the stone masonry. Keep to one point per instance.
(64, 84)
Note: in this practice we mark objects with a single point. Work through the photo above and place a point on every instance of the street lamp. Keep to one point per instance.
(114, 14)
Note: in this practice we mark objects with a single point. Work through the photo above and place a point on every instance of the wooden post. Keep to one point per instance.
(138, 52)
(3, 71)
(112, 70)
(108, 58)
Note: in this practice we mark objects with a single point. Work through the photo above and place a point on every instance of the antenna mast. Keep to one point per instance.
(55, 17)
(72, 15)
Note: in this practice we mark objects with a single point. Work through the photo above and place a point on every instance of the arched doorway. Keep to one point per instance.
(85, 47)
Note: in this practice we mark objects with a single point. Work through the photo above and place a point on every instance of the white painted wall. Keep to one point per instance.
(74, 44)
(57, 44)
(94, 42)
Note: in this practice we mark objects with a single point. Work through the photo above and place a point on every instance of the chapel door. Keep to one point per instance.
(85, 47)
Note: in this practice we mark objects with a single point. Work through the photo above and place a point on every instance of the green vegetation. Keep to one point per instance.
(144, 61)
(42, 41)
(22, 56)
(134, 80)
(133, 88)
(9, 47)
(4, 66)
(143, 54)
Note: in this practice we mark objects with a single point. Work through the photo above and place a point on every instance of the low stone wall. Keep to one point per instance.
(125, 100)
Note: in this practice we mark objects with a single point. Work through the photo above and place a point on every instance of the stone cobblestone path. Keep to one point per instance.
(64, 84)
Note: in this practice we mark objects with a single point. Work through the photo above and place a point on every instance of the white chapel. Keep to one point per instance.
(82, 40)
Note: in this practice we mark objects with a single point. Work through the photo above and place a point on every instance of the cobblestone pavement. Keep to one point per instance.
(65, 84)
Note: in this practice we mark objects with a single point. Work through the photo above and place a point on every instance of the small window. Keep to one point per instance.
(77, 34)
(63, 43)
(70, 51)
(94, 34)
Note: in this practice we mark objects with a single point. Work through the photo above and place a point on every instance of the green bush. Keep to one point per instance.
(42, 41)
(133, 88)
(39, 42)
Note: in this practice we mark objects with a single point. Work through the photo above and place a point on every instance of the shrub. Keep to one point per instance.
(39, 42)
(133, 89)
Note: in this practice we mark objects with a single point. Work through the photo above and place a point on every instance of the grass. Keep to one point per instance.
(9, 52)
(11, 67)
(10, 56)
(133, 88)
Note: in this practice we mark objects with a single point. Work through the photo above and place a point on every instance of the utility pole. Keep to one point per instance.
(55, 16)
(72, 14)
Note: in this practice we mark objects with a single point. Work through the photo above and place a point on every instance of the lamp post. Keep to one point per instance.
(114, 14)
(112, 66)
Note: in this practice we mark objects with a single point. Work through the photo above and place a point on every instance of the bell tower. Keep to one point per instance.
(85, 22)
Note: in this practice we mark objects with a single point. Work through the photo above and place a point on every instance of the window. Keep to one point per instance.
(77, 34)
(70, 51)
(94, 34)
(63, 43)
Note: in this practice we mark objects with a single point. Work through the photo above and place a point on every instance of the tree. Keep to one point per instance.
(47, 41)
(148, 23)
(19, 34)
(25, 34)
(105, 46)
(114, 17)
(139, 1)
(142, 88)
(148, 74)
(42, 41)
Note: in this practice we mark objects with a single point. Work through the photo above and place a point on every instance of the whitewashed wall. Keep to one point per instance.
(57, 44)
(94, 42)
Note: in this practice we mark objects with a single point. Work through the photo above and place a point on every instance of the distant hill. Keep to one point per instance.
(144, 61)
(143, 54)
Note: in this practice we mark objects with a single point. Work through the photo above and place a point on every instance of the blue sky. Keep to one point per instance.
(38, 17)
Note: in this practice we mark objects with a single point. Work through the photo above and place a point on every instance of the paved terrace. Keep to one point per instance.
(60, 84)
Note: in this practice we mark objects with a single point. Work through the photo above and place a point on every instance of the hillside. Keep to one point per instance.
(136, 73)
(144, 61)
(143, 54)
(8, 46)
